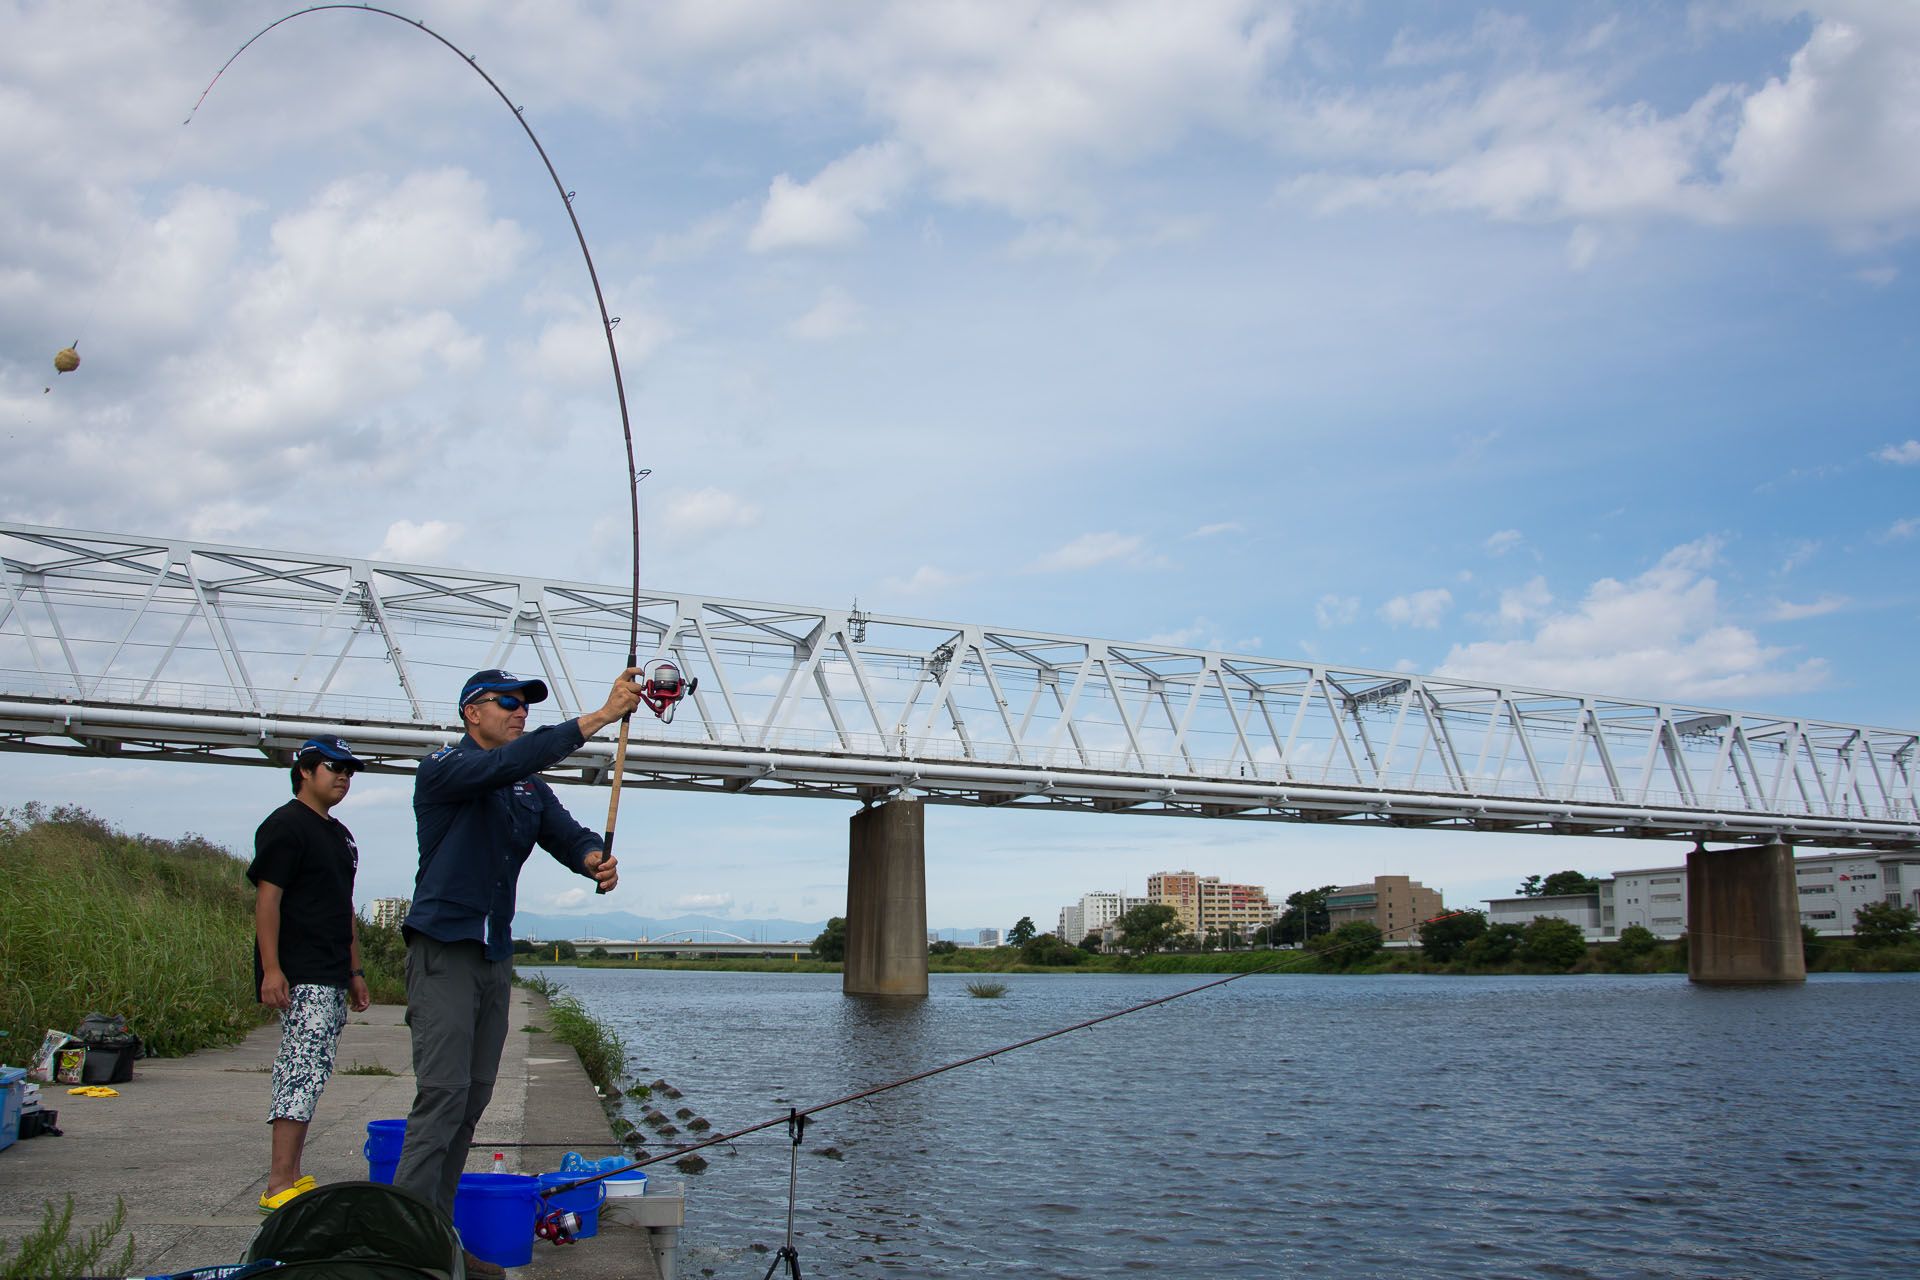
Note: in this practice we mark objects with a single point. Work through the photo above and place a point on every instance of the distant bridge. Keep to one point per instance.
(127, 646)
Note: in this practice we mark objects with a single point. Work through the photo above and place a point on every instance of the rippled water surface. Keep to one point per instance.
(1318, 1126)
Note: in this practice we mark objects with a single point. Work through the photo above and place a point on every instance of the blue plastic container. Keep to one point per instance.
(12, 1090)
(582, 1201)
(494, 1214)
(384, 1140)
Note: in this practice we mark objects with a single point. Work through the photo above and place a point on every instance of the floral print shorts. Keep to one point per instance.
(308, 1033)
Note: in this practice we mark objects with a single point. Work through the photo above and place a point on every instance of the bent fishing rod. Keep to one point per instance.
(608, 323)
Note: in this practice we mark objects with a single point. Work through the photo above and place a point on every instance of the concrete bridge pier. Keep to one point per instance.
(1743, 916)
(887, 901)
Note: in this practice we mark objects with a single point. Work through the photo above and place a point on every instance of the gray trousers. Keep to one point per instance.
(457, 1012)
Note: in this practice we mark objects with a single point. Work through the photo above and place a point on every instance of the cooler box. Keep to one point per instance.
(110, 1062)
(12, 1089)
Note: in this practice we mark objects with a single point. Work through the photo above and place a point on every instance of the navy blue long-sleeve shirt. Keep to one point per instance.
(479, 813)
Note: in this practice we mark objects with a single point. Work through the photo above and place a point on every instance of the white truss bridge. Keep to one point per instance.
(136, 647)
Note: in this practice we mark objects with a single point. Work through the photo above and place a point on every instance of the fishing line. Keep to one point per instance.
(800, 1114)
(608, 323)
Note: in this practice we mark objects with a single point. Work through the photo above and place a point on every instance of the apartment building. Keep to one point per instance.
(1395, 905)
(389, 911)
(1204, 904)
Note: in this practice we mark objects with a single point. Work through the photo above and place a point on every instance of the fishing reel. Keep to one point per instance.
(662, 687)
(558, 1225)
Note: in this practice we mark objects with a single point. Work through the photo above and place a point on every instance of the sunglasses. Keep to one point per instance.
(342, 768)
(507, 701)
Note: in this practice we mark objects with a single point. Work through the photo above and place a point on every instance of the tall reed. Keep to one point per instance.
(94, 920)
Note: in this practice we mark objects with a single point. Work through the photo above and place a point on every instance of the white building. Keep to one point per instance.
(1582, 909)
(1096, 912)
(1831, 888)
(989, 937)
(389, 911)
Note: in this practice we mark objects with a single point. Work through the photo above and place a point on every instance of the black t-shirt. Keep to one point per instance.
(312, 859)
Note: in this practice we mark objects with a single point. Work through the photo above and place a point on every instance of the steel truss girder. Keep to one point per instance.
(181, 649)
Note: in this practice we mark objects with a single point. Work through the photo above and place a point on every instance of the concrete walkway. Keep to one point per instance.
(185, 1144)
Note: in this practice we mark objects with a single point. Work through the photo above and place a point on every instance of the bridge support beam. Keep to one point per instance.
(887, 901)
(1743, 916)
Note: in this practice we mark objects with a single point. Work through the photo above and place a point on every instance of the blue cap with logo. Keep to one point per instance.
(497, 681)
(328, 748)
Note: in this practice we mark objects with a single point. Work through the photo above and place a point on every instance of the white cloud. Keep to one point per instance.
(1504, 541)
(1214, 530)
(1830, 143)
(1801, 552)
(1905, 454)
(835, 315)
(1091, 549)
(1879, 277)
(1422, 609)
(1526, 602)
(708, 510)
(704, 902)
(365, 244)
(1901, 529)
(425, 542)
(1788, 611)
(831, 210)
(1336, 611)
(927, 578)
(1659, 635)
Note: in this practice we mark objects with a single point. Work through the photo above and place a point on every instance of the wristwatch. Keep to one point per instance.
(357, 973)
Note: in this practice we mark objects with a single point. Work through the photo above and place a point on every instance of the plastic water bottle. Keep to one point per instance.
(499, 1162)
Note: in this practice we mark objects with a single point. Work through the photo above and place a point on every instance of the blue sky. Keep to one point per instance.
(1574, 344)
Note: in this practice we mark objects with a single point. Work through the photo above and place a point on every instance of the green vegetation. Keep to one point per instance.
(831, 945)
(366, 1069)
(602, 1052)
(1560, 882)
(986, 989)
(49, 1253)
(157, 931)
(1146, 928)
(1022, 932)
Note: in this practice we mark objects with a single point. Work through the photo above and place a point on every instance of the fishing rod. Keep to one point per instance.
(675, 689)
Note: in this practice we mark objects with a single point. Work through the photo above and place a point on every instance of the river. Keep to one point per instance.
(1304, 1126)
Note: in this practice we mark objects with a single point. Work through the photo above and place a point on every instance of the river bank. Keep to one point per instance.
(184, 1148)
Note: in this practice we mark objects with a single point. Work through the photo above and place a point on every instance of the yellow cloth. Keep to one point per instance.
(94, 1091)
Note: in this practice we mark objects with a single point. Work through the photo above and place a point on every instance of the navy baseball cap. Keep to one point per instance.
(496, 681)
(334, 749)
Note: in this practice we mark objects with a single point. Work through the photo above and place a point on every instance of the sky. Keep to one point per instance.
(1573, 345)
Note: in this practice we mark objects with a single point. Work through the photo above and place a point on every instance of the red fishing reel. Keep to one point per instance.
(558, 1225)
(663, 687)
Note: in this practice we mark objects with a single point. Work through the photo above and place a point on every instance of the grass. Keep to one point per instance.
(366, 1069)
(158, 931)
(986, 989)
(602, 1053)
(91, 919)
(49, 1252)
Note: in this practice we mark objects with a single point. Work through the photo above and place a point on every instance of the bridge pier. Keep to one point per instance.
(886, 901)
(1743, 916)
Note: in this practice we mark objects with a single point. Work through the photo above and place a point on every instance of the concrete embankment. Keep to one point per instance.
(184, 1146)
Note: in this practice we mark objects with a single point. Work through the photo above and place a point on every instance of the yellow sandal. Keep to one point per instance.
(268, 1203)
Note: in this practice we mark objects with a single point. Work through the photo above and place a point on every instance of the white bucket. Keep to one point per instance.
(617, 1209)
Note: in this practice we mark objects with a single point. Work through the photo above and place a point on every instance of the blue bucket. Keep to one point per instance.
(582, 1201)
(384, 1140)
(494, 1214)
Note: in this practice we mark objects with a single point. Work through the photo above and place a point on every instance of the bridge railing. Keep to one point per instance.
(216, 629)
